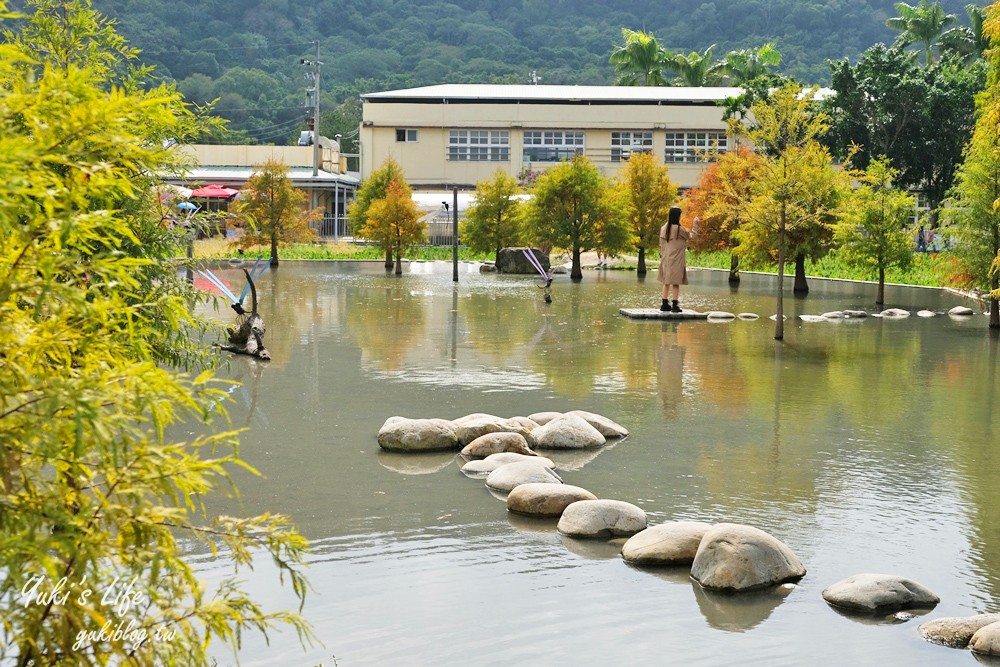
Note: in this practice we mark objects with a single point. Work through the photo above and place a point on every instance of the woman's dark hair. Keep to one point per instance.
(673, 218)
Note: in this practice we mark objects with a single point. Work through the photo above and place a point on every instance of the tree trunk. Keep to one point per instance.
(880, 297)
(994, 314)
(779, 319)
(576, 274)
(801, 287)
(641, 270)
(399, 261)
(734, 270)
(274, 250)
(388, 258)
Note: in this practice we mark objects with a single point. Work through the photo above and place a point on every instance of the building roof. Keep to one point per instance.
(557, 94)
(228, 175)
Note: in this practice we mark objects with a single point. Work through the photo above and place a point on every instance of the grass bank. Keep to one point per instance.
(928, 269)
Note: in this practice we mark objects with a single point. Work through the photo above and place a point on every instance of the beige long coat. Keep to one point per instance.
(673, 264)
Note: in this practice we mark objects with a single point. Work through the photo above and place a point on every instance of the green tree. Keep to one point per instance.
(919, 118)
(649, 194)
(795, 188)
(274, 211)
(974, 212)
(922, 24)
(372, 189)
(746, 65)
(492, 222)
(640, 60)
(970, 43)
(720, 201)
(93, 493)
(394, 219)
(697, 69)
(873, 230)
(574, 207)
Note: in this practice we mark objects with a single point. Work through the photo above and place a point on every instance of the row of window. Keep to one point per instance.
(559, 145)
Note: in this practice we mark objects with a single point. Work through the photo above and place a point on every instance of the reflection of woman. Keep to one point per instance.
(670, 373)
(673, 264)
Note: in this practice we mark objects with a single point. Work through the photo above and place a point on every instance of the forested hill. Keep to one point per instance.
(247, 52)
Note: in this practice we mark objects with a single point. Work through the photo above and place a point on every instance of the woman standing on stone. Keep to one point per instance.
(673, 263)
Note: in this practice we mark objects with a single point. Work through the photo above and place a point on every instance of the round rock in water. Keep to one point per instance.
(748, 316)
(494, 461)
(493, 443)
(961, 311)
(545, 499)
(734, 557)
(401, 434)
(956, 631)
(879, 592)
(673, 543)
(543, 418)
(601, 519)
(567, 432)
(834, 315)
(507, 477)
(720, 315)
(894, 313)
(854, 313)
(986, 641)
(605, 426)
(473, 426)
(926, 313)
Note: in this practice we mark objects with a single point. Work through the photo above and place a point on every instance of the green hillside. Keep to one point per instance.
(247, 52)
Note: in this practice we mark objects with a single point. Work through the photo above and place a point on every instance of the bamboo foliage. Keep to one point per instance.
(97, 503)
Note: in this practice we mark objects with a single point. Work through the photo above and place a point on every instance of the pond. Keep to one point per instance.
(865, 445)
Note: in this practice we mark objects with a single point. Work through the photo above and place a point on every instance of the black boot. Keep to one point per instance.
(676, 308)
(665, 306)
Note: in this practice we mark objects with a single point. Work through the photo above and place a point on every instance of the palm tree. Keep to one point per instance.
(970, 43)
(697, 69)
(922, 24)
(746, 65)
(640, 60)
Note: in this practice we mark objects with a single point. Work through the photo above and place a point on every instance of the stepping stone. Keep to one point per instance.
(879, 592)
(748, 316)
(657, 314)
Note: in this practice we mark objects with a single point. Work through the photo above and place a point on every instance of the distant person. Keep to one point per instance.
(930, 241)
(921, 240)
(673, 263)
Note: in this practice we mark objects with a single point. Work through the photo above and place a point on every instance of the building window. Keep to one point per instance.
(693, 146)
(552, 145)
(479, 145)
(625, 144)
(406, 135)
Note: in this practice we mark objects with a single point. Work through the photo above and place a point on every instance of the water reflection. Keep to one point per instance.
(738, 613)
(865, 445)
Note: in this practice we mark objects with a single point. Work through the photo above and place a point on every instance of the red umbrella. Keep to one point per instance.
(215, 191)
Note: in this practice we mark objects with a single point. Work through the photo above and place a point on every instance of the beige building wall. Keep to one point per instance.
(426, 162)
(252, 156)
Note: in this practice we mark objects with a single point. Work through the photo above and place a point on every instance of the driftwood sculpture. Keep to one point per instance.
(247, 337)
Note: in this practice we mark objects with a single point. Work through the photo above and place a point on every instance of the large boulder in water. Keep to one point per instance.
(494, 443)
(601, 519)
(401, 434)
(567, 431)
(494, 461)
(956, 631)
(734, 557)
(541, 499)
(674, 543)
(507, 477)
(986, 641)
(470, 427)
(606, 427)
(872, 593)
(513, 260)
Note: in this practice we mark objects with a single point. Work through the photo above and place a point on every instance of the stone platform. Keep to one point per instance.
(657, 314)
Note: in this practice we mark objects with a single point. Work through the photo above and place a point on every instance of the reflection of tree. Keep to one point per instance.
(961, 413)
(388, 326)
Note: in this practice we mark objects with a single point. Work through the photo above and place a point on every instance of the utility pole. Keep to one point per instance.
(314, 73)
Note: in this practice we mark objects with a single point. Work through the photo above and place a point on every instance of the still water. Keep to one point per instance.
(865, 445)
